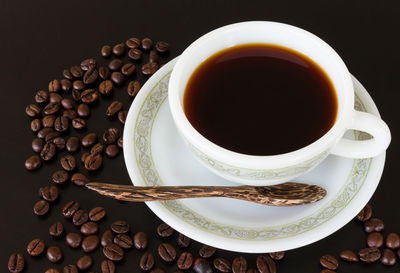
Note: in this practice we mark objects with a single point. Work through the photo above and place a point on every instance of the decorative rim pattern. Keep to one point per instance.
(142, 146)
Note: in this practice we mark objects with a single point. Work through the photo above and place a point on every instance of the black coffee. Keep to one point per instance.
(260, 99)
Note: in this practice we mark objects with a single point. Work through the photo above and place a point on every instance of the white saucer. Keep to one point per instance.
(156, 155)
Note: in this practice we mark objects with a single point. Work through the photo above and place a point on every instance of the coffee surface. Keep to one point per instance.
(260, 99)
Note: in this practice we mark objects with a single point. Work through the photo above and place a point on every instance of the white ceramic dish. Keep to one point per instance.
(155, 155)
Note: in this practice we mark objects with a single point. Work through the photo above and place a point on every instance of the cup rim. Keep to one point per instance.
(256, 161)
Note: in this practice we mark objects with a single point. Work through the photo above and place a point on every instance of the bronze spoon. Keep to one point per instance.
(286, 194)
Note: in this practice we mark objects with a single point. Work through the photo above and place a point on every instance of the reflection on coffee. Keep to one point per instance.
(260, 99)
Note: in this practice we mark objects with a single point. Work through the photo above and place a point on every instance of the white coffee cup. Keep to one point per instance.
(268, 170)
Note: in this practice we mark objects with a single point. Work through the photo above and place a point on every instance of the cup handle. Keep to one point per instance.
(370, 124)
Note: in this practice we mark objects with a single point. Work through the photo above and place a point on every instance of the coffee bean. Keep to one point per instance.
(388, 257)
(106, 51)
(135, 54)
(70, 113)
(71, 268)
(72, 144)
(52, 270)
(54, 86)
(164, 230)
(61, 124)
(33, 163)
(51, 136)
(93, 162)
(41, 96)
(56, 229)
(90, 76)
(277, 256)
(104, 72)
(369, 255)
(49, 193)
(55, 98)
(107, 266)
(51, 108)
(365, 214)
(83, 156)
(41, 207)
(117, 77)
(348, 256)
(146, 262)
(16, 263)
(84, 263)
(133, 88)
(113, 252)
(112, 151)
(120, 142)
(60, 177)
(329, 262)
(90, 243)
(66, 85)
(83, 110)
(375, 239)
(265, 264)
(35, 247)
(36, 125)
(97, 213)
(68, 163)
(105, 87)
(32, 110)
(73, 239)
(37, 145)
(122, 116)
(123, 241)
(89, 140)
(392, 241)
(78, 123)
(147, 44)
(89, 96)
(167, 252)
(107, 237)
(67, 103)
(79, 180)
(76, 71)
(183, 241)
(153, 56)
(44, 132)
(119, 49)
(115, 64)
(132, 42)
(48, 152)
(110, 135)
(113, 108)
(374, 224)
(149, 68)
(78, 85)
(54, 254)
(88, 64)
(239, 265)
(120, 227)
(48, 121)
(185, 261)
(202, 266)
(67, 74)
(162, 46)
(59, 142)
(140, 240)
(96, 149)
(70, 208)
(206, 251)
(89, 228)
(222, 265)
(80, 217)
(128, 69)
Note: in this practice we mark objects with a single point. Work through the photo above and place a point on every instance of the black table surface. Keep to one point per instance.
(41, 38)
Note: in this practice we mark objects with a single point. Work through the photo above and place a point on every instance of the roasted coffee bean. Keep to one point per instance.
(41, 207)
(348, 256)
(89, 140)
(122, 116)
(88, 64)
(49, 193)
(33, 163)
(78, 85)
(90, 243)
(329, 262)
(146, 262)
(153, 56)
(239, 265)
(167, 252)
(202, 266)
(56, 229)
(67, 103)
(147, 44)
(105, 87)
(119, 49)
(128, 69)
(113, 108)
(84, 263)
(83, 110)
(123, 241)
(206, 251)
(60, 177)
(117, 77)
(107, 237)
(76, 71)
(59, 142)
(44, 132)
(120, 227)
(374, 224)
(90, 76)
(70, 208)
(97, 149)
(89, 96)
(265, 264)
(35, 247)
(164, 230)
(71, 268)
(135, 54)
(73, 239)
(133, 88)
(365, 214)
(113, 252)
(48, 121)
(120, 142)
(37, 145)
(51, 108)
(110, 135)
(375, 239)
(107, 266)
(132, 42)
(68, 163)
(16, 263)
(80, 217)
(54, 86)
(162, 46)
(277, 256)
(67, 74)
(66, 85)
(78, 123)
(369, 255)
(51, 136)
(36, 125)
(32, 110)
(140, 240)
(93, 162)
(185, 261)
(79, 179)
(115, 64)
(388, 257)
(97, 213)
(89, 228)
(392, 241)
(72, 144)
(106, 51)
(55, 98)
(41, 96)
(70, 114)
(83, 156)
(61, 124)
(48, 152)
(149, 68)
(104, 72)
(222, 265)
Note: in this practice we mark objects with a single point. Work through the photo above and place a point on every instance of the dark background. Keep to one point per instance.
(41, 38)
